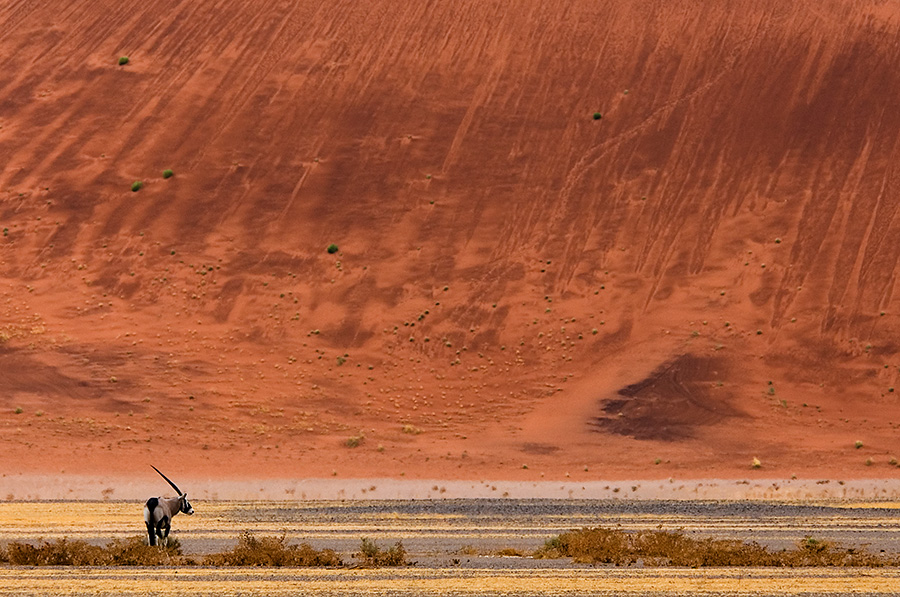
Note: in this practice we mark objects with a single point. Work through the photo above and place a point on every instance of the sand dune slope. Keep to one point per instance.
(701, 275)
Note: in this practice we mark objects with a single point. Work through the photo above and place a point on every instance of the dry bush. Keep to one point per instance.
(63, 552)
(272, 551)
(373, 556)
(135, 552)
(673, 548)
(815, 552)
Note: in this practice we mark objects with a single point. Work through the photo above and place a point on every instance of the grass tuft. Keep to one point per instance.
(373, 556)
(168, 174)
(123, 60)
(332, 248)
(354, 441)
(136, 186)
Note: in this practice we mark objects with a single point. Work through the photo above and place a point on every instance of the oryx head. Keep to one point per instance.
(185, 504)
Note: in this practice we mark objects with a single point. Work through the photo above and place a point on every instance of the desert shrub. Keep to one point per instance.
(673, 548)
(372, 555)
(590, 545)
(168, 174)
(354, 441)
(123, 60)
(332, 248)
(597, 115)
(135, 552)
(61, 552)
(816, 552)
(136, 186)
(272, 551)
(120, 552)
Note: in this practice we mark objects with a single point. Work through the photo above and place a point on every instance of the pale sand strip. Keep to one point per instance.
(79, 487)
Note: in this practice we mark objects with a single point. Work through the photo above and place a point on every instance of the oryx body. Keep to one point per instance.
(159, 511)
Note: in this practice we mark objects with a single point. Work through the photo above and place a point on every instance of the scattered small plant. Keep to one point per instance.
(756, 463)
(332, 248)
(373, 556)
(858, 444)
(354, 441)
(136, 186)
(597, 116)
(123, 60)
(411, 429)
(168, 174)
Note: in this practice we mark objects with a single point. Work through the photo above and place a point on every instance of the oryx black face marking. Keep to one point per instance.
(159, 511)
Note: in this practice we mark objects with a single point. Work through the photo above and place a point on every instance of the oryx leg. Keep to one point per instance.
(162, 529)
(152, 533)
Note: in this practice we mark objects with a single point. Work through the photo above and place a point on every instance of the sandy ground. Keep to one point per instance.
(452, 542)
(704, 274)
(488, 582)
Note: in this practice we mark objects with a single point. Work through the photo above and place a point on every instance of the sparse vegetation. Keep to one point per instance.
(858, 444)
(597, 116)
(332, 248)
(673, 548)
(371, 555)
(136, 186)
(168, 174)
(123, 60)
(272, 551)
(354, 441)
(249, 551)
(411, 429)
(756, 463)
(121, 552)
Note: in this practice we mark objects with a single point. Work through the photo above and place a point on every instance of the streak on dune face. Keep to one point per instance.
(505, 259)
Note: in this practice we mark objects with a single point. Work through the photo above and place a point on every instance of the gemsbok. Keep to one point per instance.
(159, 511)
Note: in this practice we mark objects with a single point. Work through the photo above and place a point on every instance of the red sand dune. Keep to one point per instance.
(704, 275)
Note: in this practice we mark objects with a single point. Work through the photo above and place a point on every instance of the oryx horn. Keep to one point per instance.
(175, 487)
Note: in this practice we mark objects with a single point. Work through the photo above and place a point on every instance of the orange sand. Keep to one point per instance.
(704, 275)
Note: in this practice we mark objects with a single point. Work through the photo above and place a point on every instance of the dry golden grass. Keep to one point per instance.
(673, 548)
